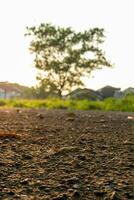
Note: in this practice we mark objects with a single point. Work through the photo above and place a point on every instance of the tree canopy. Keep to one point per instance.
(64, 56)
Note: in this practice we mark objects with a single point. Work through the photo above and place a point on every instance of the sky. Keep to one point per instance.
(115, 16)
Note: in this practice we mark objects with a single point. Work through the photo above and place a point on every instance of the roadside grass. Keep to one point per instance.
(110, 104)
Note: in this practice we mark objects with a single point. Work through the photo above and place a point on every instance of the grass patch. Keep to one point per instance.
(124, 104)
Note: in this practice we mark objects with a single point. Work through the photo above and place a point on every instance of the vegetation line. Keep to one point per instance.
(110, 104)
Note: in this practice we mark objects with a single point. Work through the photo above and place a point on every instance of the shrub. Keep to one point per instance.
(124, 104)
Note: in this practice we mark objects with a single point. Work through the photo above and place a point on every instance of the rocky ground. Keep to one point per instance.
(66, 155)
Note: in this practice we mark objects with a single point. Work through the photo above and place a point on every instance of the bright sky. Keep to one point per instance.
(115, 16)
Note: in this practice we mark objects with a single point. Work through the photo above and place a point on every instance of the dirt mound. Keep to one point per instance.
(63, 155)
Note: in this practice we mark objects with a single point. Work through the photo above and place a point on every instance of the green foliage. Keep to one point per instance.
(2, 102)
(63, 56)
(124, 104)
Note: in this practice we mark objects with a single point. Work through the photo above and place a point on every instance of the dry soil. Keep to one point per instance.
(66, 155)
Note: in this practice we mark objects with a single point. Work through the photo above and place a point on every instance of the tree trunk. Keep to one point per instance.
(60, 94)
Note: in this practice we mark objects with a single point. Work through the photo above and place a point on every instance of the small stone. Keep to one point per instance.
(70, 114)
(72, 180)
(76, 186)
(27, 157)
(18, 111)
(129, 195)
(114, 196)
(102, 120)
(76, 195)
(69, 119)
(70, 190)
(40, 116)
(82, 157)
(130, 117)
(99, 193)
(63, 197)
(11, 193)
(24, 182)
(44, 188)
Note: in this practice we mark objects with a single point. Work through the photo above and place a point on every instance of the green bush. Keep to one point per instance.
(2, 102)
(124, 104)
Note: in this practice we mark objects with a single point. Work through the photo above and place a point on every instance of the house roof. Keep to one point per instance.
(108, 91)
(129, 90)
(85, 93)
(108, 87)
(9, 87)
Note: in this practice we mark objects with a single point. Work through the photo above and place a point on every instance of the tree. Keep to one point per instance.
(65, 56)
